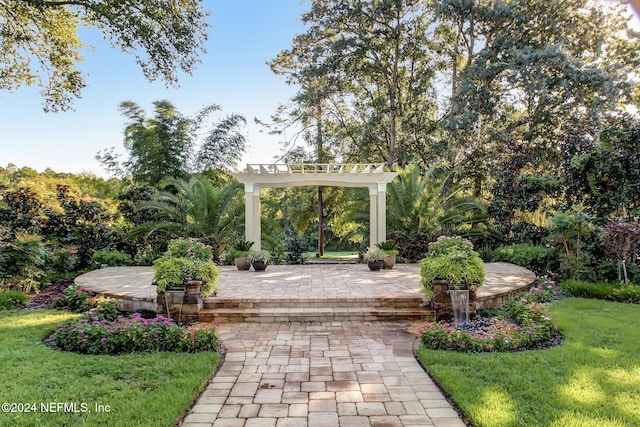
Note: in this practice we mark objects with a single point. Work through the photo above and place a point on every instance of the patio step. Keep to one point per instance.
(314, 310)
(301, 302)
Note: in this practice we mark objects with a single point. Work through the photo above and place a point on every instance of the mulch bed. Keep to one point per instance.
(44, 298)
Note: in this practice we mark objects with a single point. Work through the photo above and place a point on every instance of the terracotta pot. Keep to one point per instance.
(259, 265)
(390, 261)
(242, 262)
(375, 265)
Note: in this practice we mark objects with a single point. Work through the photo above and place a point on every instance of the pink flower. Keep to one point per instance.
(216, 324)
(420, 330)
(54, 299)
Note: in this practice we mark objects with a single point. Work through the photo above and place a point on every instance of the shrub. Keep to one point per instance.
(23, 261)
(295, 249)
(78, 299)
(602, 290)
(627, 293)
(452, 259)
(186, 259)
(94, 334)
(110, 257)
(60, 262)
(412, 246)
(538, 259)
(10, 298)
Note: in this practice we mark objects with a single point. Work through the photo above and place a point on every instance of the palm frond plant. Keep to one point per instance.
(197, 209)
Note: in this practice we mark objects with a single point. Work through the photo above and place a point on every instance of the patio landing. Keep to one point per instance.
(303, 293)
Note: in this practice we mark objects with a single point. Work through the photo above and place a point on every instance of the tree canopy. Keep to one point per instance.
(40, 43)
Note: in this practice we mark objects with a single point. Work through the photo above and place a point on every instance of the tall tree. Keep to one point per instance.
(40, 44)
(168, 144)
(378, 59)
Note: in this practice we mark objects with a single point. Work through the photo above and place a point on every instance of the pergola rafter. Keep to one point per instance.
(373, 176)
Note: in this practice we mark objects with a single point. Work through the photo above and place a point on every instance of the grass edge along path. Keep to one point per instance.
(592, 379)
(145, 389)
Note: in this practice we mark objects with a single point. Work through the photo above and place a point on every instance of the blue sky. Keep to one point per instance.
(244, 35)
(233, 74)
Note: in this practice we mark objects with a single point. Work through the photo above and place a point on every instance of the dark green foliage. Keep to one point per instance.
(602, 290)
(10, 299)
(295, 248)
(538, 259)
(110, 257)
(412, 246)
(605, 178)
(24, 261)
(571, 231)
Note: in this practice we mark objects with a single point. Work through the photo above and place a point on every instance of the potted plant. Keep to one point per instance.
(241, 255)
(454, 260)
(390, 247)
(184, 275)
(374, 257)
(259, 259)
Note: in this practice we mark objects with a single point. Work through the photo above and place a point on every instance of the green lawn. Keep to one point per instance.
(593, 379)
(140, 389)
(336, 256)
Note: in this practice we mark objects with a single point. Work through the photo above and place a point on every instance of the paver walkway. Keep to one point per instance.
(321, 375)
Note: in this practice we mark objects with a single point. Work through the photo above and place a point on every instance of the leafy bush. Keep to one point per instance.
(602, 290)
(110, 257)
(295, 249)
(24, 259)
(60, 262)
(95, 334)
(186, 259)
(452, 259)
(11, 298)
(78, 299)
(570, 232)
(412, 246)
(538, 259)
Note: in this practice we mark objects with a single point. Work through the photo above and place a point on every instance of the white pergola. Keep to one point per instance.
(375, 177)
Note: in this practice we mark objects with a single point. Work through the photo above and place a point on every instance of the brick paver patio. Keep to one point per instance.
(321, 375)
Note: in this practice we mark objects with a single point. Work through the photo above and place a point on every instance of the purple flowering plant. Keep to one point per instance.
(93, 333)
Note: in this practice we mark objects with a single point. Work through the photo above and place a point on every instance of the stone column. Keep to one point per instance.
(252, 214)
(373, 216)
(382, 212)
(257, 228)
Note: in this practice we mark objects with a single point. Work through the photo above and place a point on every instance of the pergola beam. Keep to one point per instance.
(375, 177)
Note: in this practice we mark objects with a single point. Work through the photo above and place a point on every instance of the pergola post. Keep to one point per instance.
(252, 214)
(382, 212)
(373, 215)
(257, 228)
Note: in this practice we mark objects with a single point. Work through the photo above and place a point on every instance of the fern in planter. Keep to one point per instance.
(452, 259)
(389, 246)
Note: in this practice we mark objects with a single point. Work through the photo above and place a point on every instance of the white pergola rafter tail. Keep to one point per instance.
(373, 176)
